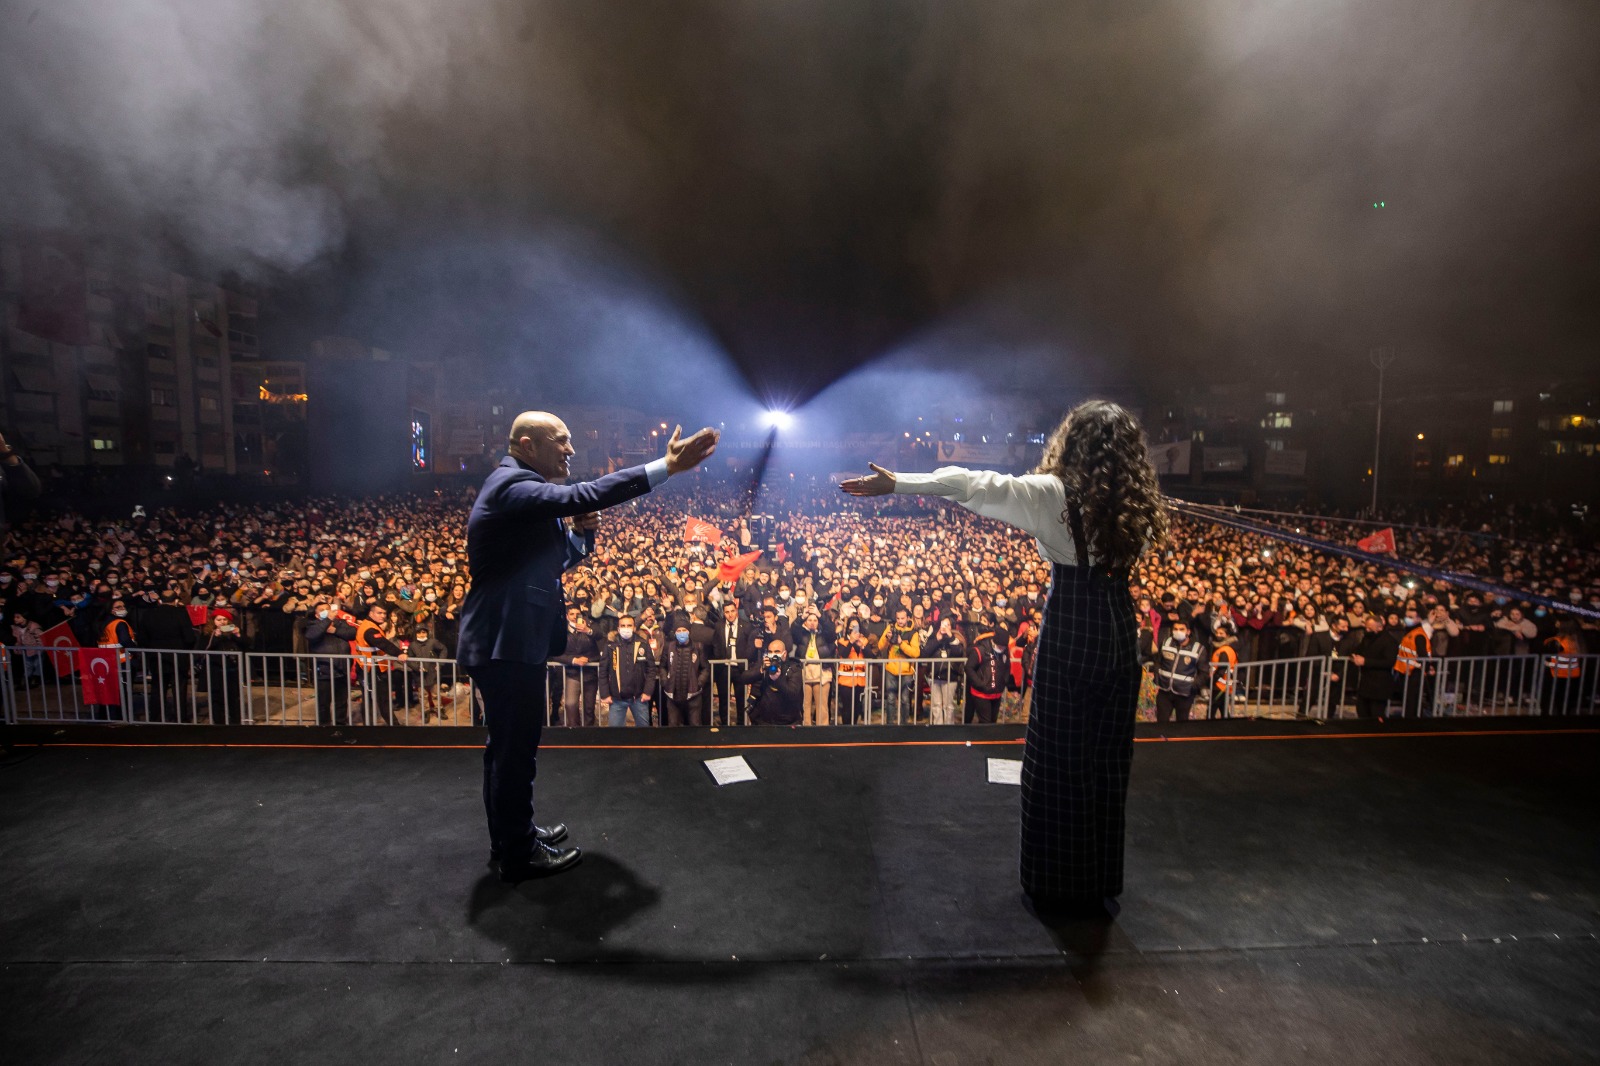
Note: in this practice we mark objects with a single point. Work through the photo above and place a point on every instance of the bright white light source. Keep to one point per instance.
(775, 419)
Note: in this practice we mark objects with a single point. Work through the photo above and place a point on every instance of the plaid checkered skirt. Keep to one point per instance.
(1080, 738)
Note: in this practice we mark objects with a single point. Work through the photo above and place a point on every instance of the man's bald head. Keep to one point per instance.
(542, 441)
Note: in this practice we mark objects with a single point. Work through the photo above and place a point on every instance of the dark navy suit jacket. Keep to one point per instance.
(517, 550)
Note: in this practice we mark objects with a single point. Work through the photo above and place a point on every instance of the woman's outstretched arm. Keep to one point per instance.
(1031, 502)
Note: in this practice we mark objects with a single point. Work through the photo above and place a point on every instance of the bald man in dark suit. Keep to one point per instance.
(525, 530)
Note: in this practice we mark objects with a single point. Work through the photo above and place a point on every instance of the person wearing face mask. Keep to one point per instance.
(221, 671)
(627, 676)
(812, 639)
(951, 651)
(1180, 665)
(987, 671)
(900, 643)
(427, 677)
(854, 649)
(684, 673)
(328, 636)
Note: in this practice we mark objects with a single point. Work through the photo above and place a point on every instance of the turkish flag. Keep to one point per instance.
(730, 569)
(66, 660)
(197, 614)
(102, 680)
(1381, 541)
(695, 529)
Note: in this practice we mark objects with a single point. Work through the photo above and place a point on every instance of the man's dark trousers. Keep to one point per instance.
(515, 699)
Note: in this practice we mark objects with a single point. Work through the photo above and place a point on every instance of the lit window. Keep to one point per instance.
(1499, 460)
(1454, 461)
(1500, 433)
(103, 444)
(1274, 444)
(1277, 399)
(1278, 420)
(1502, 407)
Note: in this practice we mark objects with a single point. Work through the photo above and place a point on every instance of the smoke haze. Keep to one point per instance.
(799, 188)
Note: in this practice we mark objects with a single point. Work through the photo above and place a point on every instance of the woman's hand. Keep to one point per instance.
(881, 483)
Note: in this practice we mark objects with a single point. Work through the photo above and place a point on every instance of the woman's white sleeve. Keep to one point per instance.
(1031, 502)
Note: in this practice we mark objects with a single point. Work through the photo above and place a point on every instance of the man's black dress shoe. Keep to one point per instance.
(544, 834)
(544, 861)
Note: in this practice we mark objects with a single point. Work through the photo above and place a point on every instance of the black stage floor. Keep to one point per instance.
(1316, 894)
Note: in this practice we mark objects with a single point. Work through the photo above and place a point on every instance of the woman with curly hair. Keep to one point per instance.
(1094, 505)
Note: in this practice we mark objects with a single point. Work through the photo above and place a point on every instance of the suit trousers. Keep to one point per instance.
(513, 698)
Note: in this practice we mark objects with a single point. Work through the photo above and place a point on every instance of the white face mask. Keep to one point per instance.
(625, 633)
(120, 614)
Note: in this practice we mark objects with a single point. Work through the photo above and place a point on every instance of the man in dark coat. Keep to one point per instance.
(734, 638)
(1375, 655)
(777, 692)
(514, 617)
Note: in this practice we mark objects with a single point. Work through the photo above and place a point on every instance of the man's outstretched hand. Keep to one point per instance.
(881, 483)
(586, 523)
(687, 454)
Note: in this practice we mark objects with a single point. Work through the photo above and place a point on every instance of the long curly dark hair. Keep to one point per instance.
(1099, 453)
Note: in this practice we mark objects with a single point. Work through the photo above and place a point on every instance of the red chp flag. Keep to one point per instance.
(730, 569)
(695, 529)
(198, 612)
(102, 681)
(1381, 541)
(63, 647)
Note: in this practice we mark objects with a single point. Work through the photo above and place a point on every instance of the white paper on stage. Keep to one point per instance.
(1005, 771)
(730, 771)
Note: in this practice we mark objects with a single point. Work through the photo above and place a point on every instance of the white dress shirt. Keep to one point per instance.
(1034, 503)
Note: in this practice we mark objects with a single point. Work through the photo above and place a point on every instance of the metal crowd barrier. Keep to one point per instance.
(235, 688)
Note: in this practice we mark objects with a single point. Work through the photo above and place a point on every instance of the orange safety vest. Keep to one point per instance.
(1565, 662)
(1406, 660)
(853, 671)
(366, 656)
(108, 638)
(1224, 677)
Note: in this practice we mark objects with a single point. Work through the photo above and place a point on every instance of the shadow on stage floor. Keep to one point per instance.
(1312, 894)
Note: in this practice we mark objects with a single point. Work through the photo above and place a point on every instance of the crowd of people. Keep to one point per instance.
(895, 610)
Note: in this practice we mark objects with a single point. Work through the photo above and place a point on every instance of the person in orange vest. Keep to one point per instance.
(1563, 692)
(1413, 674)
(375, 653)
(852, 678)
(1224, 667)
(118, 634)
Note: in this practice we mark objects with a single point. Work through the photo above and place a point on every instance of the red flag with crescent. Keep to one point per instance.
(62, 647)
(695, 529)
(102, 681)
(1381, 541)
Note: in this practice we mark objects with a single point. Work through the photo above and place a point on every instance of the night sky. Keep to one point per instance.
(1141, 189)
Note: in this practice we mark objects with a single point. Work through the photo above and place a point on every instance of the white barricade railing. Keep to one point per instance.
(236, 688)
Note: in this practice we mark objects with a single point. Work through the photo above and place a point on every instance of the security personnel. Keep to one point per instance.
(374, 653)
(1376, 656)
(1411, 672)
(1224, 671)
(328, 637)
(1179, 663)
(1563, 693)
(988, 670)
(853, 674)
(627, 675)
(118, 634)
(685, 675)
